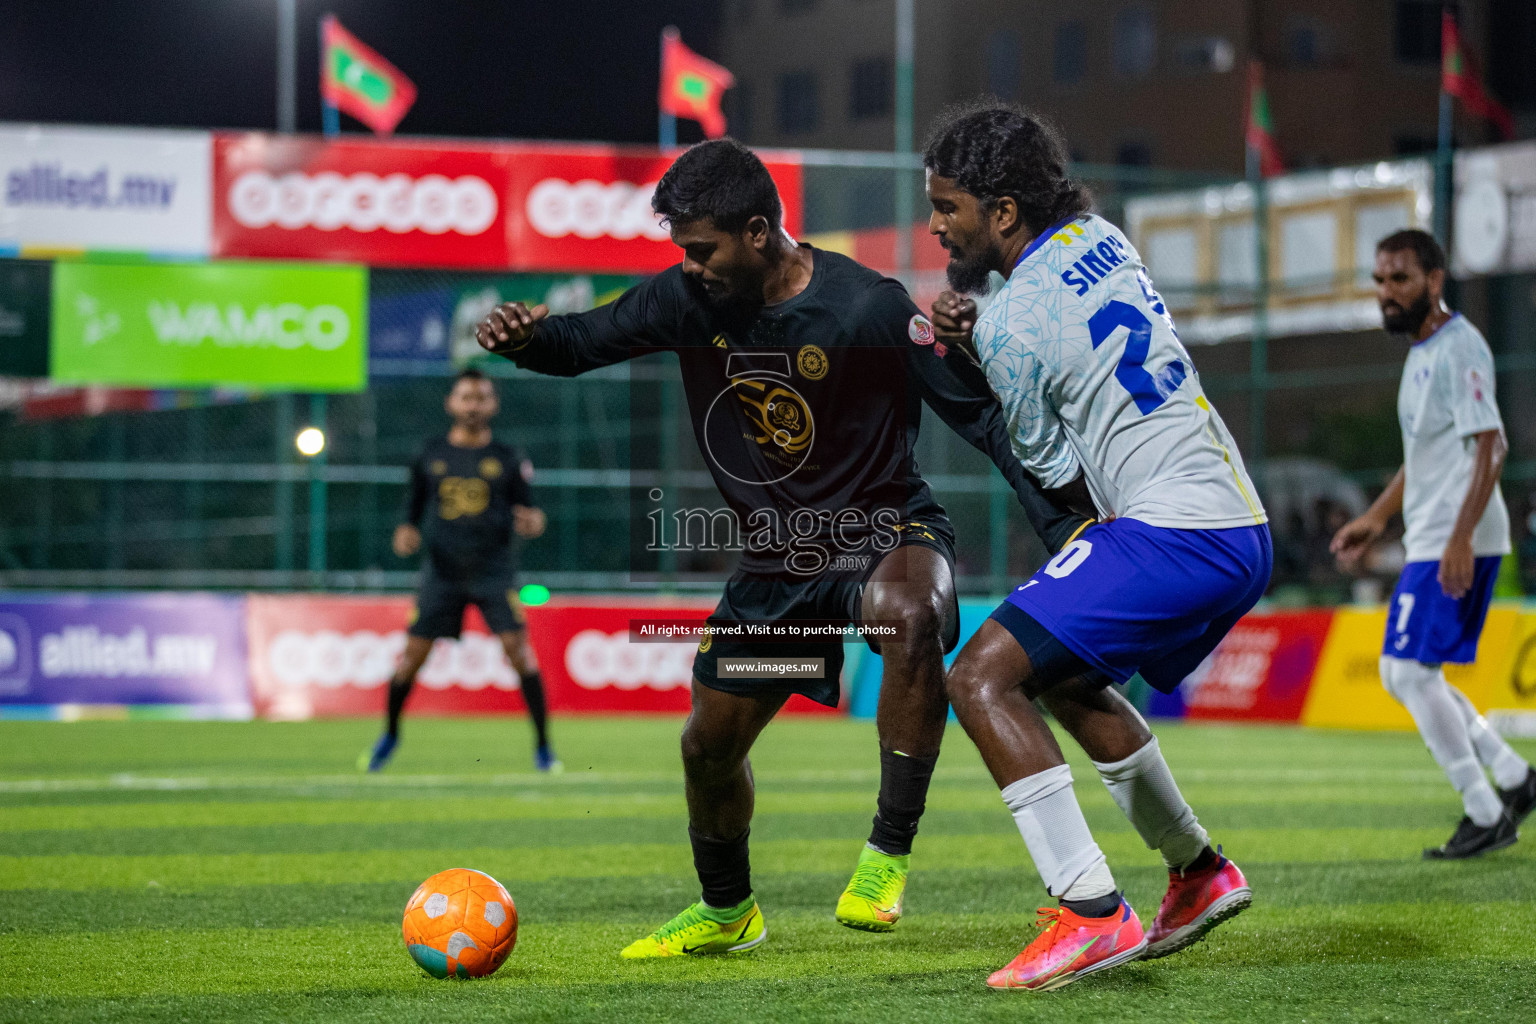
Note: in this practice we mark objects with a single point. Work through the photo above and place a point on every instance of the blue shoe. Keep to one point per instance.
(383, 750)
(545, 760)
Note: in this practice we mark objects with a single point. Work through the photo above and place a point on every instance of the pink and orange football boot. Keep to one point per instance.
(1196, 902)
(1072, 946)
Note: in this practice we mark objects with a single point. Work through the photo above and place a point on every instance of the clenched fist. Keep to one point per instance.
(509, 326)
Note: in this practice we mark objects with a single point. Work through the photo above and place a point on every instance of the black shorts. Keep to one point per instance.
(827, 598)
(440, 603)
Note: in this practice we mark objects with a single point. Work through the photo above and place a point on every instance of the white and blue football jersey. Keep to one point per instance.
(1083, 355)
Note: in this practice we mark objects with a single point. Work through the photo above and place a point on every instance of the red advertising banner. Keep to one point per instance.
(323, 655)
(493, 206)
(359, 201)
(1261, 671)
(589, 208)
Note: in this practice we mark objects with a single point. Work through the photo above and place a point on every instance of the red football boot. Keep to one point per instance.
(1072, 946)
(1196, 902)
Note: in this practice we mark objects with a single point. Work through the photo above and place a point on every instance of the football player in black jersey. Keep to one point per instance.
(805, 375)
(472, 492)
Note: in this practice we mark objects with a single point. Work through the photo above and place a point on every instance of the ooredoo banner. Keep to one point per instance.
(116, 189)
(492, 206)
(185, 649)
(589, 208)
(381, 203)
(314, 655)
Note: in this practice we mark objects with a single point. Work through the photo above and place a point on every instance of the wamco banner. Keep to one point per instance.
(268, 325)
(115, 189)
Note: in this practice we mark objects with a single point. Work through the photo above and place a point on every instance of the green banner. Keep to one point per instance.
(23, 319)
(275, 326)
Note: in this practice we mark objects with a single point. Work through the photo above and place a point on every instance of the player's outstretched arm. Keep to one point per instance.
(643, 319)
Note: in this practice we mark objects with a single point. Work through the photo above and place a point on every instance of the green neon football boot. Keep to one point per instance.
(695, 932)
(872, 901)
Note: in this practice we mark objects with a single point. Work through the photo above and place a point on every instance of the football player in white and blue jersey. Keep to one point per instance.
(1092, 378)
(1457, 531)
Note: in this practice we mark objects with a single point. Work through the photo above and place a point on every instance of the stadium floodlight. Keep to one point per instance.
(310, 442)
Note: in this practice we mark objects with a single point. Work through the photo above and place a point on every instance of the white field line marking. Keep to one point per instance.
(170, 783)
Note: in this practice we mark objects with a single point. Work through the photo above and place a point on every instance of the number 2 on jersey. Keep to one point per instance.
(1148, 392)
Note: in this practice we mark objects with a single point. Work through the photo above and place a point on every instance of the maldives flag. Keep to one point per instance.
(1459, 78)
(355, 79)
(691, 86)
(1260, 135)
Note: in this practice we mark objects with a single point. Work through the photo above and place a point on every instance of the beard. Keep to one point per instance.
(1398, 320)
(724, 302)
(971, 274)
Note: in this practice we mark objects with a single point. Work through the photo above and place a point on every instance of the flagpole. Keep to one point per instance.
(1258, 346)
(287, 65)
(904, 211)
(1444, 156)
(330, 117)
(666, 126)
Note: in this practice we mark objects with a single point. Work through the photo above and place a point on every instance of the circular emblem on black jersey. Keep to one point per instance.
(706, 643)
(490, 468)
(812, 362)
(759, 430)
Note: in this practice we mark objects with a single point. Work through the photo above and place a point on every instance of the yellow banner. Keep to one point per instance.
(1346, 689)
(1513, 686)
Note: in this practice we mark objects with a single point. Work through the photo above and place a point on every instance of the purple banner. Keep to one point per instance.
(186, 649)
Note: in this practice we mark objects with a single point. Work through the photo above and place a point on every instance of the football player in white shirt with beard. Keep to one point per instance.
(1092, 378)
(1457, 532)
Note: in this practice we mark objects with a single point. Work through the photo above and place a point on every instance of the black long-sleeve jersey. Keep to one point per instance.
(807, 411)
(463, 498)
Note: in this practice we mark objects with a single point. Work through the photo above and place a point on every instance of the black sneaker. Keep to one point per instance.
(1470, 840)
(1520, 800)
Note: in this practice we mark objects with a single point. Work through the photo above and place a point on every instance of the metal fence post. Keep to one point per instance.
(317, 497)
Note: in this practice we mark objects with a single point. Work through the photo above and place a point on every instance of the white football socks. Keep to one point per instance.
(1052, 824)
(1509, 768)
(1144, 788)
(1422, 689)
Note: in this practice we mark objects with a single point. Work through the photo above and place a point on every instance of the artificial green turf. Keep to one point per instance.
(245, 872)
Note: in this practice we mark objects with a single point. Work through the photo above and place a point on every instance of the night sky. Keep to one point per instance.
(560, 69)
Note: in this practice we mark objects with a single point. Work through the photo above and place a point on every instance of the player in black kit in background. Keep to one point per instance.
(473, 493)
(805, 374)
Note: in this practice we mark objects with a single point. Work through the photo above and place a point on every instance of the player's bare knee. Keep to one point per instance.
(709, 754)
(967, 686)
(920, 618)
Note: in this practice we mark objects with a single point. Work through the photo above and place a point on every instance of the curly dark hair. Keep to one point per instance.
(1421, 243)
(992, 150)
(721, 180)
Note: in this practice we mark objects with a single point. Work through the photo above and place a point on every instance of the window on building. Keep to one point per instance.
(1416, 31)
(1133, 154)
(1302, 47)
(1134, 44)
(1005, 63)
(1070, 54)
(871, 88)
(1205, 55)
(799, 104)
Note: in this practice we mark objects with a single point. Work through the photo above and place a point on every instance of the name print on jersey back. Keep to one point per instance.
(1083, 355)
